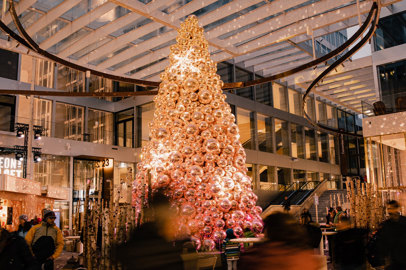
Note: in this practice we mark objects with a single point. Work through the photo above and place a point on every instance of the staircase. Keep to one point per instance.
(324, 203)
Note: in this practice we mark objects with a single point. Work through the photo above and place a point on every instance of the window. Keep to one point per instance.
(145, 115)
(341, 120)
(393, 85)
(281, 137)
(100, 126)
(267, 177)
(225, 71)
(297, 141)
(310, 144)
(331, 116)
(9, 64)
(283, 177)
(125, 128)
(7, 112)
(279, 97)
(334, 150)
(264, 133)
(42, 113)
(70, 80)
(309, 108)
(391, 31)
(69, 122)
(322, 145)
(244, 76)
(264, 93)
(321, 113)
(245, 122)
(123, 179)
(350, 122)
(295, 102)
(299, 177)
(52, 171)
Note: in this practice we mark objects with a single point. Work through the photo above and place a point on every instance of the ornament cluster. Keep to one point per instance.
(194, 150)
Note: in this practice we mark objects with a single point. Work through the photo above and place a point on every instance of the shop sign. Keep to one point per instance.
(11, 166)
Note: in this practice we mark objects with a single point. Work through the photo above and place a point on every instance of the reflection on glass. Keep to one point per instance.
(264, 133)
(123, 179)
(225, 71)
(281, 137)
(279, 96)
(310, 144)
(295, 102)
(322, 145)
(145, 114)
(391, 31)
(299, 177)
(350, 122)
(245, 122)
(7, 112)
(100, 126)
(297, 141)
(341, 119)
(40, 117)
(52, 170)
(313, 179)
(393, 85)
(69, 122)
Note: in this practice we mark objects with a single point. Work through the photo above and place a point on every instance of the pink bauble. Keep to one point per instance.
(209, 244)
(238, 231)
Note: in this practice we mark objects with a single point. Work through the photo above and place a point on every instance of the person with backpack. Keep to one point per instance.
(45, 241)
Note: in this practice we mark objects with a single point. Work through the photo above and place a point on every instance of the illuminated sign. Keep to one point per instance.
(11, 166)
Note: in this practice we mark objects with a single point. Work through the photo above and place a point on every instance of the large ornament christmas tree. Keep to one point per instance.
(194, 151)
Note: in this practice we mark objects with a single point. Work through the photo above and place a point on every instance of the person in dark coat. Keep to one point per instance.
(286, 204)
(152, 246)
(15, 253)
(391, 240)
(24, 226)
(349, 246)
(330, 217)
(312, 229)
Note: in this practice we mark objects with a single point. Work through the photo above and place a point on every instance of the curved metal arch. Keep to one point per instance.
(347, 55)
(28, 42)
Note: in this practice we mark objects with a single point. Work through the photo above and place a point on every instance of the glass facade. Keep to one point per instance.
(323, 147)
(310, 144)
(331, 116)
(283, 176)
(7, 112)
(321, 112)
(100, 126)
(69, 122)
(264, 133)
(145, 114)
(295, 102)
(244, 76)
(281, 137)
(391, 31)
(263, 93)
(309, 108)
(125, 128)
(280, 100)
(245, 122)
(297, 141)
(52, 170)
(392, 82)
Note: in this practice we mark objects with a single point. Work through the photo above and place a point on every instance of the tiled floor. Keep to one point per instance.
(62, 260)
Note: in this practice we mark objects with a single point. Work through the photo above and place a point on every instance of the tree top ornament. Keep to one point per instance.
(194, 151)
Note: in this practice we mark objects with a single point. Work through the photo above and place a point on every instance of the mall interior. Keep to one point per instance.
(315, 90)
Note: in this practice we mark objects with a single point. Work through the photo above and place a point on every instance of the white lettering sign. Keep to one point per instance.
(11, 166)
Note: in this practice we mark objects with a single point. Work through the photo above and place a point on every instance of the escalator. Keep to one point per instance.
(297, 193)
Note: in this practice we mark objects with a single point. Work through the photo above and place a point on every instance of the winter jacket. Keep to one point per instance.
(45, 241)
(23, 229)
(14, 253)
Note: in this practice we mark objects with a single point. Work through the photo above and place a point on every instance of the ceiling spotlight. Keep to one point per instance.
(20, 133)
(19, 156)
(37, 157)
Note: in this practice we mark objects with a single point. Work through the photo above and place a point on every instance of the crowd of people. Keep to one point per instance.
(34, 246)
(288, 244)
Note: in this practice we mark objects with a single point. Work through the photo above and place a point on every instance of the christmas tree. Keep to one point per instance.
(194, 151)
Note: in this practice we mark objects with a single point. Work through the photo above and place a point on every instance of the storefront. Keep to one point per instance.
(22, 196)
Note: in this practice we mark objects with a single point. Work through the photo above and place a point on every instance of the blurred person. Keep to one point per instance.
(24, 226)
(391, 238)
(45, 241)
(14, 252)
(285, 247)
(348, 246)
(153, 245)
(286, 204)
(35, 221)
(312, 229)
(231, 250)
(330, 217)
(340, 213)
